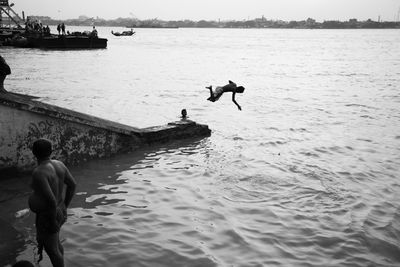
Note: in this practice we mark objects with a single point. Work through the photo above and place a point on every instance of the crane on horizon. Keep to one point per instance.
(8, 17)
(398, 15)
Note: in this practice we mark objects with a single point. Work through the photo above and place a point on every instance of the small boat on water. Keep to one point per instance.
(124, 33)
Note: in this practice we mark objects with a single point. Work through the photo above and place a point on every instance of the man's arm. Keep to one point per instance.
(71, 186)
(234, 101)
(42, 187)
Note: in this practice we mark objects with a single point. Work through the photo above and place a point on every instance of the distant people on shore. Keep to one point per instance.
(48, 201)
(4, 71)
(220, 90)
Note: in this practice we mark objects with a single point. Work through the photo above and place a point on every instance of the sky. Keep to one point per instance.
(212, 9)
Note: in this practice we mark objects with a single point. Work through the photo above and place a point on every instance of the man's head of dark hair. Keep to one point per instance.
(42, 148)
(183, 112)
(240, 89)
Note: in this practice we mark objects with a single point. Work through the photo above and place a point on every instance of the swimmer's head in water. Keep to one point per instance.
(184, 113)
(42, 148)
(240, 89)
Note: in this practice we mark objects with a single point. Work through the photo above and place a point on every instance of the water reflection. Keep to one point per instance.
(12, 243)
(101, 194)
(118, 207)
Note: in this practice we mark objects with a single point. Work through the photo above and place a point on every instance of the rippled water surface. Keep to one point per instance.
(307, 174)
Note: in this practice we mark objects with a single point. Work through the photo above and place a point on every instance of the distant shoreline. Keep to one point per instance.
(258, 23)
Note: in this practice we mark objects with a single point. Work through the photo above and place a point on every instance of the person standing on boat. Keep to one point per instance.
(59, 28)
(4, 71)
(94, 32)
(47, 32)
(63, 28)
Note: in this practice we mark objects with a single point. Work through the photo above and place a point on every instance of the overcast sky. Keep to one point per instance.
(213, 9)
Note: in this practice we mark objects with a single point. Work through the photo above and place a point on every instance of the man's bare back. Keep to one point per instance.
(54, 174)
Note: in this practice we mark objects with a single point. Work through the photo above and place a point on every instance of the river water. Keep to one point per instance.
(307, 174)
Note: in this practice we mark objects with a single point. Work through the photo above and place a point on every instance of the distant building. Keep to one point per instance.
(83, 18)
(310, 22)
(260, 22)
(38, 18)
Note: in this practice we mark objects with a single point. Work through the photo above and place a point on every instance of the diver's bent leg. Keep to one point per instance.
(211, 98)
(211, 92)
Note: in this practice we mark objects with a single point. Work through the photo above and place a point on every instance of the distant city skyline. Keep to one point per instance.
(320, 10)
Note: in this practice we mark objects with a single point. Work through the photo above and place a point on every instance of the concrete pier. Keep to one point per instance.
(77, 137)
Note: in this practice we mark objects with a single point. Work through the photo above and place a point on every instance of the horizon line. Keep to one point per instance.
(214, 20)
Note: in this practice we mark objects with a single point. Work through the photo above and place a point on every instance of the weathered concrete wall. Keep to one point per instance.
(76, 137)
(73, 142)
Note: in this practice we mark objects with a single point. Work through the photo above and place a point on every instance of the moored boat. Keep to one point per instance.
(57, 42)
(30, 33)
(67, 42)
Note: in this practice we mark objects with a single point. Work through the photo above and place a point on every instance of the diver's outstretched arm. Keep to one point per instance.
(234, 101)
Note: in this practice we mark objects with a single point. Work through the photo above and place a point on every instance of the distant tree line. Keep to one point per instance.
(254, 23)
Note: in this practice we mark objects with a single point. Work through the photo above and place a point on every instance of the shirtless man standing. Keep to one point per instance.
(48, 200)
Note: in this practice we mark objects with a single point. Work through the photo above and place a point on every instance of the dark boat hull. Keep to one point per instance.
(68, 42)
